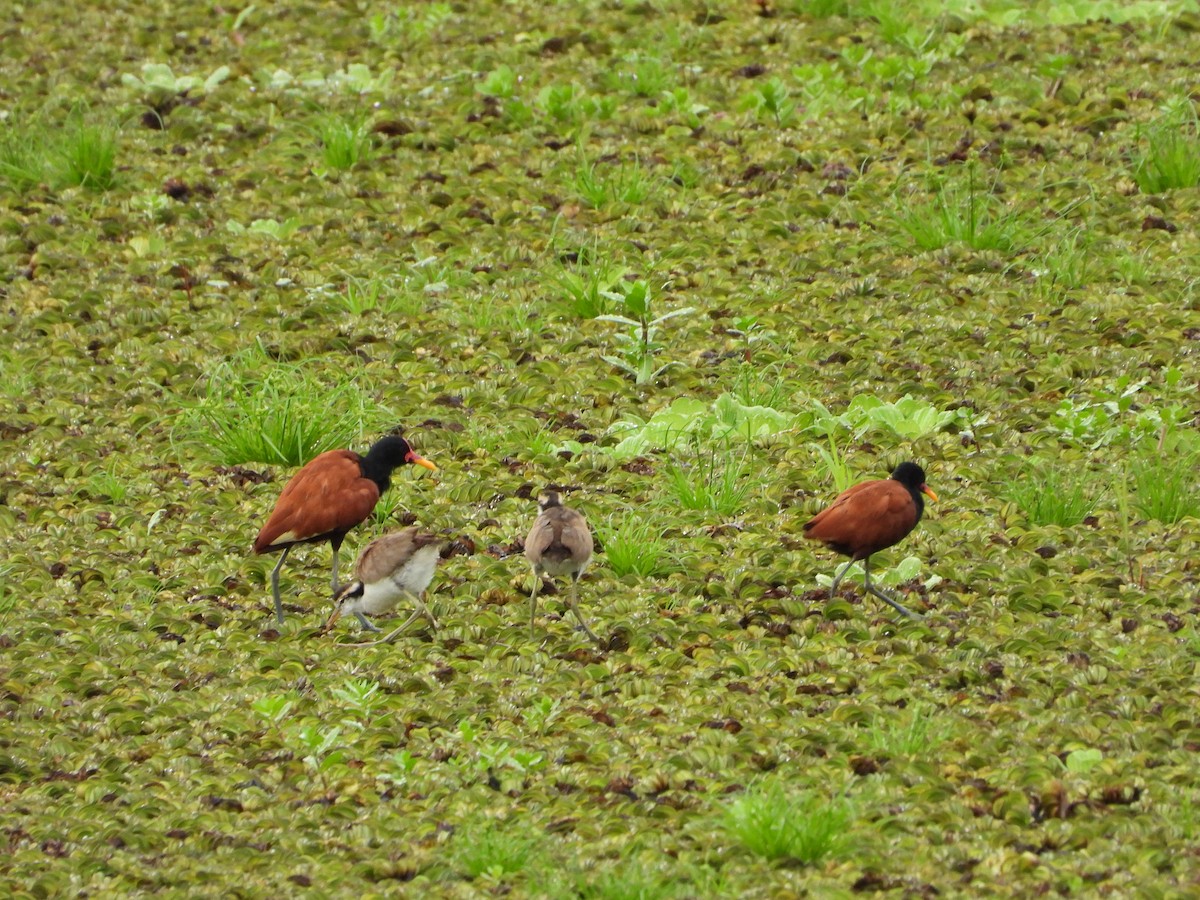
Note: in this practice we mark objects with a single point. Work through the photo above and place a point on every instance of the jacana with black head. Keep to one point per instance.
(870, 517)
(332, 494)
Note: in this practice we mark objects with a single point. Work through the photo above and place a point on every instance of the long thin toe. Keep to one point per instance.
(390, 636)
(366, 623)
(896, 606)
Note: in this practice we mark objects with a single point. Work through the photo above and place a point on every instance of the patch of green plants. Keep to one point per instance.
(361, 698)
(25, 154)
(771, 99)
(494, 760)
(627, 184)
(321, 749)
(268, 228)
(966, 214)
(409, 26)
(588, 287)
(724, 420)
(1080, 762)
(908, 418)
(110, 485)
(783, 825)
(345, 141)
(356, 78)
(570, 104)
(501, 84)
(158, 86)
(276, 413)
(631, 881)
(1165, 487)
(363, 296)
(493, 851)
(712, 480)
(1068, 263)
(1050, 495)
(640, 344)
(634, 545)
(1113, 414)
(8, 596)
(642, 76)
(1169, 158)
(86, 155)
(915, 731)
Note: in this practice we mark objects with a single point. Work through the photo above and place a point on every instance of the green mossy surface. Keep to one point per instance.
(786, 162)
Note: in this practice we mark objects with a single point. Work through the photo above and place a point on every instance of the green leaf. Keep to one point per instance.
(1080, 762)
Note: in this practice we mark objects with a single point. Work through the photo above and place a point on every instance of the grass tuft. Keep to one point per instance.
(1049, 496)
(345, 141)
(777, 825)
(914, 732)
(961, 214)
(1171, 158)
(635, 546)
(1165, 490)
(713, 482)
(631, 882)
(494, 852)
(629, 184)
(24, 155)
(284, 416)
(87, 157)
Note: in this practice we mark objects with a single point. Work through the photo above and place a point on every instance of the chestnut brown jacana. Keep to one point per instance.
(324, 500)
(870, 517)
(389, 569)
(560, 543)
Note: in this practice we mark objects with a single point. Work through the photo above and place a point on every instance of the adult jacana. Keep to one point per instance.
(870, 517)
(328, 497)
(390, 569)
(560, 543)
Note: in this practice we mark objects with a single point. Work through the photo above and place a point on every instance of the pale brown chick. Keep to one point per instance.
(560, 543)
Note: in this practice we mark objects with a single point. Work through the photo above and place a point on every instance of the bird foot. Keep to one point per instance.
(390, 636)
(903, 610)
(366, 623)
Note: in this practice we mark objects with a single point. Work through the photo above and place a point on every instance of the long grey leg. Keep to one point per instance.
(333, 584)
(575, 609)
(391, 635)
(421, 610)
(881, 595)
(838, 578)
(537, 584)
(275, 584)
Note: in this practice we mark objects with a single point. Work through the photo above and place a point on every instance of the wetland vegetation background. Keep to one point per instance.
(703, 265)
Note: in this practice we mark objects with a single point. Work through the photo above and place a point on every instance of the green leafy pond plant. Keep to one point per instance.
(827, 236)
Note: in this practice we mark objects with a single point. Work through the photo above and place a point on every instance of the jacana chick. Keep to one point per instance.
(560, 543)
(324, 500)
(870, 517)
(390, 569)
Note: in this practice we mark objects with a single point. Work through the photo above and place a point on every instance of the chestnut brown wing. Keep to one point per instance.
(384, 555)
(865, 519)
(328, 496)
